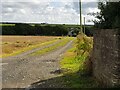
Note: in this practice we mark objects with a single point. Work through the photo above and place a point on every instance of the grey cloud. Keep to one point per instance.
(76, 6)
(89, 5)
(16, 6)
(41, 12)
(85, 6)
(13, 6)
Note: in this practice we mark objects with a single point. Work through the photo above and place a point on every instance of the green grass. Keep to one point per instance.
(74, 71)
(58, 45)
(7, 24)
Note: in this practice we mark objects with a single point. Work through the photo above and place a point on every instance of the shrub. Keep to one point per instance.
(84, 52)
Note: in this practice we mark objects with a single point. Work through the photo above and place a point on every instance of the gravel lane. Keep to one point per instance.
(22, 71)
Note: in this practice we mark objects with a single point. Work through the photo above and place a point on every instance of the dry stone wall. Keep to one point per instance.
(106, 57)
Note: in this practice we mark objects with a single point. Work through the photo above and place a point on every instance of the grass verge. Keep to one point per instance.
(73, 65)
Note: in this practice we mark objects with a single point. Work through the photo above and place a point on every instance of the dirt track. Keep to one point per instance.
(23, 70)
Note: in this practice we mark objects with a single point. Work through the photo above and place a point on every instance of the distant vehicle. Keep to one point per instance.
(72, 34)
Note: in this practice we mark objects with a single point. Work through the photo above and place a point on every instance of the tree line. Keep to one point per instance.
(27, 29)
(43, 30)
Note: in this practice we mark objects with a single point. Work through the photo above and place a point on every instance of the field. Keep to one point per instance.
(7, 24)
(17, 44)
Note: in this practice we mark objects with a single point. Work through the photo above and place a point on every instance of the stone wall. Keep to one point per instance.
(106, 57)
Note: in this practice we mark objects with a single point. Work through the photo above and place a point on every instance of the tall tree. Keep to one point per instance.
(109, 16)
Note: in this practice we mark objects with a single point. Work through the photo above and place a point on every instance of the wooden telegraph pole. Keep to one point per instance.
(80, 16)
(84, 25)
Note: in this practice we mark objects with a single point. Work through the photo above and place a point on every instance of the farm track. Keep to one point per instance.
(22, 71)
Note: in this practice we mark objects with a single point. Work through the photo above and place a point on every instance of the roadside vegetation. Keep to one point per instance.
(76, 65)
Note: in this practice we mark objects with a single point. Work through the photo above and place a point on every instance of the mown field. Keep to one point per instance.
(13, 45)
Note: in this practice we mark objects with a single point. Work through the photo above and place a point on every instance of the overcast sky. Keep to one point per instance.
(46, 11)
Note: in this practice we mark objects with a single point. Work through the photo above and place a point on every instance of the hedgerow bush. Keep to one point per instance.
(84, 50)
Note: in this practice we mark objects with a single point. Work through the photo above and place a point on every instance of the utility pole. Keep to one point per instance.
(80, 16)
(84, 25)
